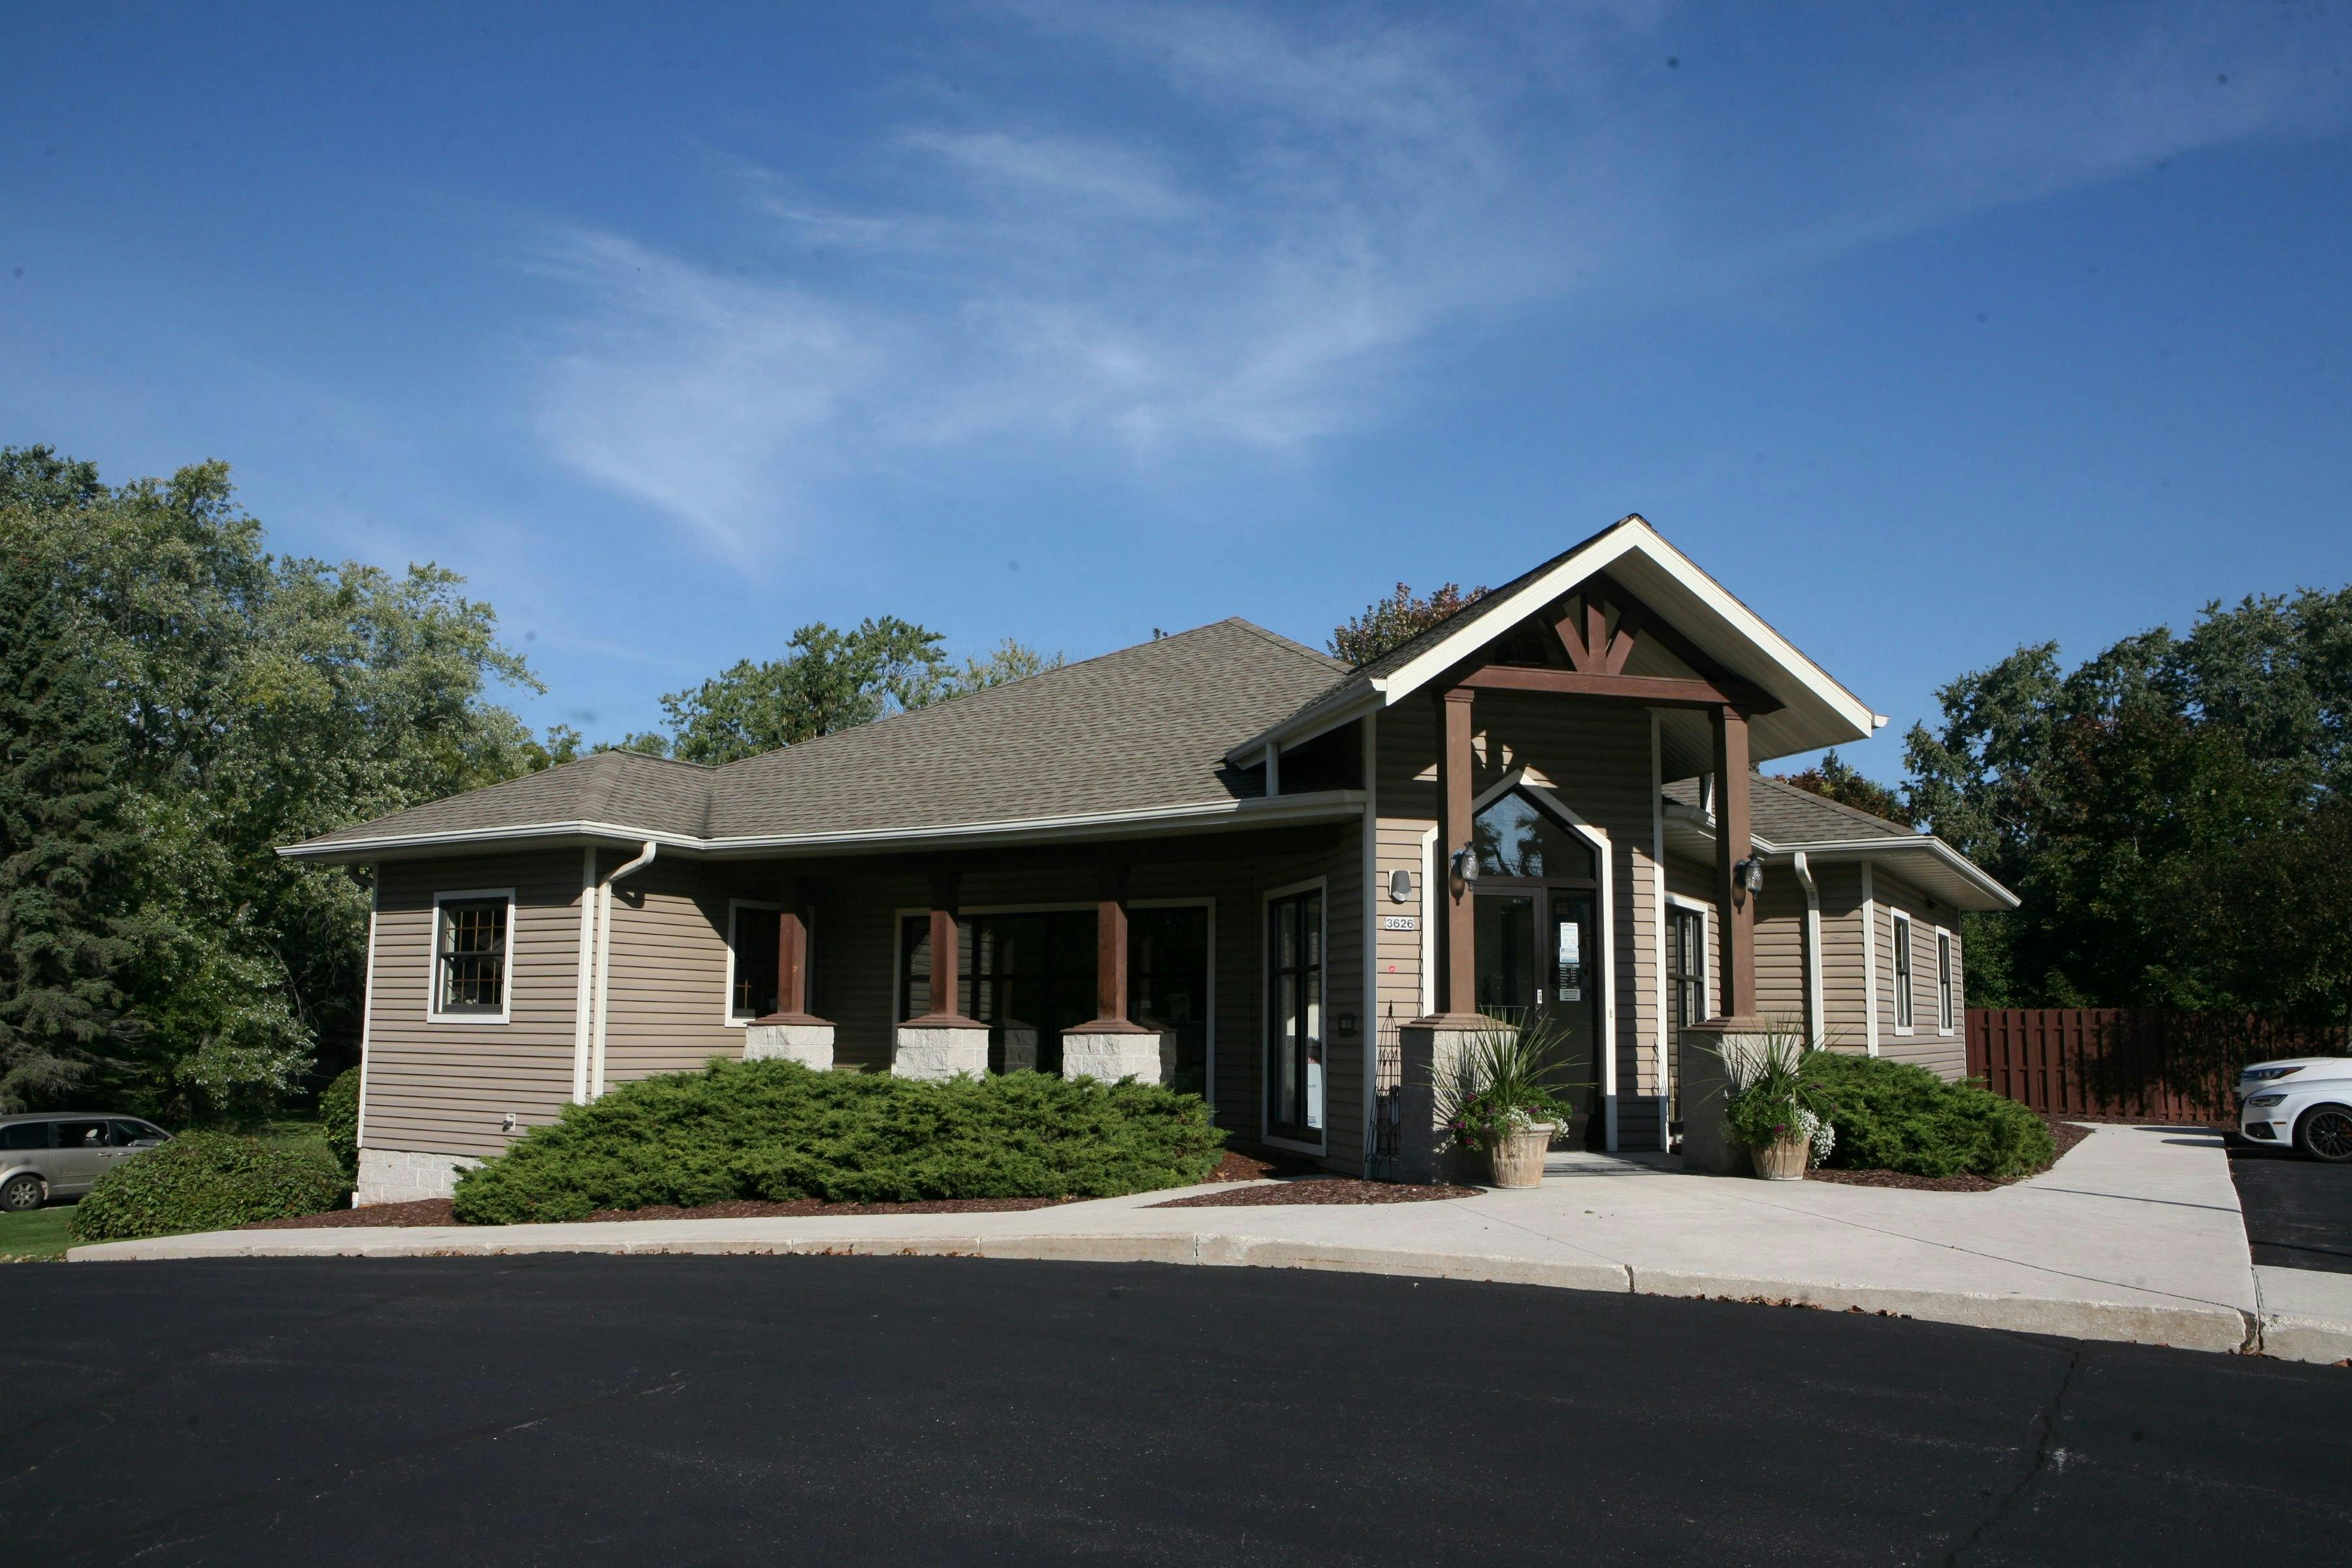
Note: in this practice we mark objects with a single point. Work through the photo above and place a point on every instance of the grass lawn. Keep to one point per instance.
(35, 1237)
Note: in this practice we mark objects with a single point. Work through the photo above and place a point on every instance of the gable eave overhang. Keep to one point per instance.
(1302, 809)
(1921, 857)
(1816, 711)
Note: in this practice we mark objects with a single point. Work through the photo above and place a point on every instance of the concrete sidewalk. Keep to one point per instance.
(2135, 1235)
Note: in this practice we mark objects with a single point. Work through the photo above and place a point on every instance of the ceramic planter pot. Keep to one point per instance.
(1518, 1161)
(1781, 1162)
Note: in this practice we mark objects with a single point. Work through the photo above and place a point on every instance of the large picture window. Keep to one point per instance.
(1903, 971)
(470, 955)
(1294, 988)
(752, 987)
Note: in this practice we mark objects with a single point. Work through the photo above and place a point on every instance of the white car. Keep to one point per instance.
(2302, 1100)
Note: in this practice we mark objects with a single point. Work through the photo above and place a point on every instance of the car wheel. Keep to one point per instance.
(23, 1193)
(2325, 1133)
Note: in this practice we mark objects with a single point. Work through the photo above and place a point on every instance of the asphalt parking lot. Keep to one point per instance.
(713, 1411)
(2298, 1212)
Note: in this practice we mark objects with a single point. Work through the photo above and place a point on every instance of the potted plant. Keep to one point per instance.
(1777, 1108)
(1500, 1099)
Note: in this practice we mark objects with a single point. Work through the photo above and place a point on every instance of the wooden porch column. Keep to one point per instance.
(1457, 972)
(792, 958)
(1111, 950)
(1734, 843)
(947, 953)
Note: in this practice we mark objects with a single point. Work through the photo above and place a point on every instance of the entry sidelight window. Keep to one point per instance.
(1685, 968)
(469, 956)
(1294, 990)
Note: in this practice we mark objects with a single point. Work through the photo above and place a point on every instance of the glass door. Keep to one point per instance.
(1294, 1062)
(1569, 1000)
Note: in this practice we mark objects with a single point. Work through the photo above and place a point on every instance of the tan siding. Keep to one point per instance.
(444, 1087)
(1780, 949)
(667, 980)
(1943, 1054)
(1843, 985)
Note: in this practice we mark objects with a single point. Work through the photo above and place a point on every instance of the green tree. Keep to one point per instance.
(1397, 619)
(256, 699)
(830, 680)
(2139, 802)
(63, 848)
(1832, 779)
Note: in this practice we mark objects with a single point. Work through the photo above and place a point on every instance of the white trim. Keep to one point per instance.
(726, 996)
(585, 987)
(1430, 877)
(1631, 535)
(1869, 961)
(1816, 1026)
(367, 1012)
(1369, 1025)
(432, 1014)
(1902, 971)
(1947, 981)
(1265, 1012)
(1311, 806)
(1705, 913)
(1658, 923)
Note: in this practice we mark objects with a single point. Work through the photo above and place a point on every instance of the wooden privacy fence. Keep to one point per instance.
(2147, 1064)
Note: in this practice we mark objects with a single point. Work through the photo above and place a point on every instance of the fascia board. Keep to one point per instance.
(1637, 537)
(1320, 805)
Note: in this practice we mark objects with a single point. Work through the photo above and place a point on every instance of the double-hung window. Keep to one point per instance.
(1945, 1008)
(1685, 967)
(1903, 971)
(470, 954)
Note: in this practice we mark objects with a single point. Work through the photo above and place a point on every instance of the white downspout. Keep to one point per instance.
(1869, 961)
(367, 1012)
(1371, 958)
(604, 962)
(584, 990)
(1816, 1023)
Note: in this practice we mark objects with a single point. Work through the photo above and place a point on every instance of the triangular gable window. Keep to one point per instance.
(1518, 838)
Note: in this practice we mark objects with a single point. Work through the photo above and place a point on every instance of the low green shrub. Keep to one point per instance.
(777, 1130)
(1892, 1116)
(207, 1181)
(338, 1121)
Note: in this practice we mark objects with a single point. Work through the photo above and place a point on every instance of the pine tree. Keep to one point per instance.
(62, 843)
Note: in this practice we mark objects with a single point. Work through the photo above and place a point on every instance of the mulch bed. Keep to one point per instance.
(1318, 1190)
(1235, 1165)
(2065, 1135)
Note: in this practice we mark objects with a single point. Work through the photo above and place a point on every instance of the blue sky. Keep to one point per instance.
(674, 329)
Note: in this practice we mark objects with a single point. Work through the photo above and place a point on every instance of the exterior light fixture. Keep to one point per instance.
(1748, 876)
(1466, 867)
(1400, 886)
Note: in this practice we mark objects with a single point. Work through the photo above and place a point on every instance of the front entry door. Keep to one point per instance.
(1540, 961)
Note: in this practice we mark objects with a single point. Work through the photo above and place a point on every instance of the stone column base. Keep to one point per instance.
(1708, 1059)
(805, 1040)
(1431, 1049)
(404, 1176)
(1112, 1054)
(935, 1048)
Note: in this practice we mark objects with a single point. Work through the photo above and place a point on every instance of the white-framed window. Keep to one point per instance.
(473, 957)
(1901, 974)
(751, 974)
(1687, 968)
(1946, 993)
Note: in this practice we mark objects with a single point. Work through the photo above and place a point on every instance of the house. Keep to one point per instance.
(1218, 860)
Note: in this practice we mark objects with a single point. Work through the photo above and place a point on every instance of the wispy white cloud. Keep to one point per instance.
(1249, 248)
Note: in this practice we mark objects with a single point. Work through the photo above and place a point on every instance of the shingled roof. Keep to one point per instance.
(1783, 815)
(1138, 732)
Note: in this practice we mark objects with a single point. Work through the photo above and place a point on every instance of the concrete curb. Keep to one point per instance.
(2215, 1328)
(2290, 1338)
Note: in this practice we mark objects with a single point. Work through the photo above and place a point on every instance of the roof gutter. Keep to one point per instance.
(1848, 849)
(604, 962)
